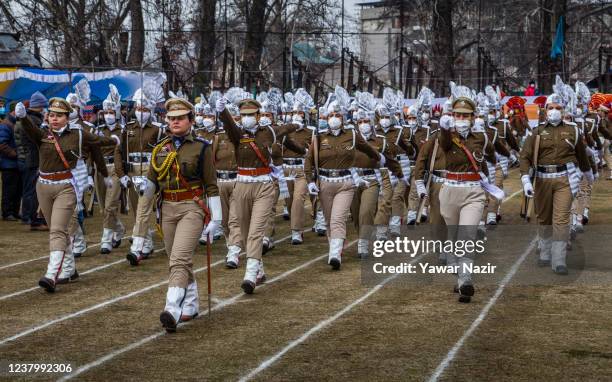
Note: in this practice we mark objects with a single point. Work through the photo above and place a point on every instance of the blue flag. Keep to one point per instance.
(557, 46)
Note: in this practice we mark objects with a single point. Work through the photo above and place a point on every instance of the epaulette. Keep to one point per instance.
(398, 127)
(349, 127)
(88, 123)
(202, 140)
(132, 122)
(157, 124)
(570, 123)
(75, 126)
(309, 127)
(381, 136)
(478, 129)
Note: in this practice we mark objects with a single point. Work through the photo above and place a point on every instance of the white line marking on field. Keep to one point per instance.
(322, 324)
(483, 314)
(95, 269)
(44, 257)
(104, 303)
(152, 337)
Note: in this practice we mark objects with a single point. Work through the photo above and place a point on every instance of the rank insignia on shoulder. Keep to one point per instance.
(247, 140)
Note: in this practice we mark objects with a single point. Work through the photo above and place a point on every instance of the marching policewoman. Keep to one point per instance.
(183, 172)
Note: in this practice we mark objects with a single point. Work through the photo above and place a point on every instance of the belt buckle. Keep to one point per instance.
(334, 173)
(174, 197)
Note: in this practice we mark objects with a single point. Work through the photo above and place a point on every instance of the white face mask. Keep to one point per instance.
(425, 116)
(366, 130)
(554, 116)
(479, 122)
(412, 124)
(334, 123)
(110, 119)
(579, 111)
(208, 122)
(286, 118)
(385, 122)
(199, 120)
(248, 122)
(265, 121)
(297, 119)
(491, 118)
(462, 126)
(73, 115)
(142, 117)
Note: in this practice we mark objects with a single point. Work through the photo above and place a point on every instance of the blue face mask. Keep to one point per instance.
(322, 124)
(2, 110)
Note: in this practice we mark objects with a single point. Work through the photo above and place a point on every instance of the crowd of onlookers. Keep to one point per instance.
(19, 165)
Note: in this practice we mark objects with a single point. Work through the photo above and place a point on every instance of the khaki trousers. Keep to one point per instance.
(606, 153)
(398, 201)
(58, 203)
(413, 197)
(101, 188)
(552, 205)
(336, 199)
(270, 228)
(462, 207)
(182, 224)
(435, 217)
(493, 203)
(142, 207)
(383, 212)
(583, 199)
(112, 203)
(229, 222)
(253, 204)
(298, 191)
(363, 209)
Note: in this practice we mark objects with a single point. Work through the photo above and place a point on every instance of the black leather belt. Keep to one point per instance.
(138, 158)
(226, 175)
(293, 161)
(552, 168)
(334, 173)
(366, 172)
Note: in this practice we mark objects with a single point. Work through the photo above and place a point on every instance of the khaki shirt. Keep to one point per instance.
(558, 145)
(423, 160)
(399, 140)
(195, 163)
(136, 139)
(105, 131)
(505, 136)
(455, 158)
(302, 138)
(49, 159)
(203, 133)
(224, 152)
(378, 142)
(337, 152)
(264, 139)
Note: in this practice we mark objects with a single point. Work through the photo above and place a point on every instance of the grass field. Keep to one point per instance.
(310, 323)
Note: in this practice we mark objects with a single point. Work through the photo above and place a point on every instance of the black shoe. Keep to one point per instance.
(321, 232)
(131, 240)
(493, 223)
(498, 218)
(168, 322)
(47, 284)
(543, 263)
(10, 218)
(466, 291)
(423, 218)
(116, 244)
(335, 264)
(217, 237)
(133, 258)
(585, 220)
(77, 255)
(296, 242)
(145, 255)
(286, 217)
(362, 256)
(231, 265)
(105, 251)
(561, 270)
(411, 222)
(455, 289)
(70, 279)
(247, 286)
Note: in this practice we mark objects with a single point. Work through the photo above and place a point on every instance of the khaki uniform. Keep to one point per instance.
(56, 187)
(421, 136)
(110, 197)
(336, 157)
(227, 171)
(365, 202)
(293, 167)
(504, 141)
(392, 205)
(254, 192)
(182, 221)
(561, 150)
(132, 158)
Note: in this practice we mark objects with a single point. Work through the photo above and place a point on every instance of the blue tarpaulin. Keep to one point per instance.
(18, 84)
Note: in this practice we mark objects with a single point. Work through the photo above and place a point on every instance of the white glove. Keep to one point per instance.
(116, 138)
(220, 104)
(313, 189)
(125, 181)
(90, 182)
(20, 110)
(596, 175)
(527, 186)
(513, 159)
(214, 205)
(421, 190)
(108, 182)
(358, 180)
(147, 189)
(446, 122)
(588, 175)
(382, 160)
